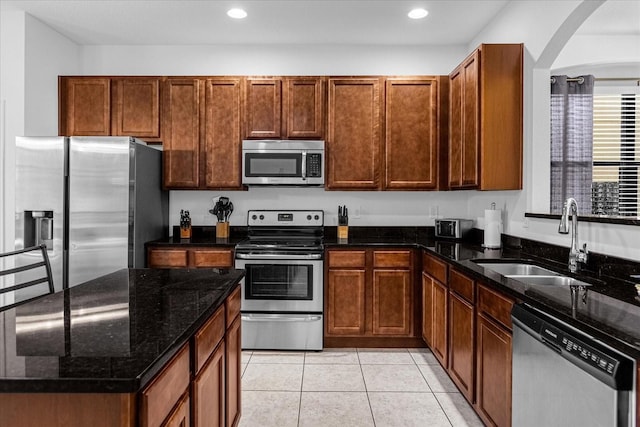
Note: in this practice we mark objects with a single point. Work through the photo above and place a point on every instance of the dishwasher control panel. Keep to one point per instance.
(577, 348)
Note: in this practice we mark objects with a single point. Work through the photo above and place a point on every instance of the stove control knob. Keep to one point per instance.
(261, 217)
(308, 217)
(254, 217)
(317, 217)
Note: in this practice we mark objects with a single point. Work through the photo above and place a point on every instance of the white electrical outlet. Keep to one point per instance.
(356, 211)
(525, 224)
(433, 212)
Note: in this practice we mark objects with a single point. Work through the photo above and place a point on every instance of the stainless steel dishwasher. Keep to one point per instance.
(563, 377)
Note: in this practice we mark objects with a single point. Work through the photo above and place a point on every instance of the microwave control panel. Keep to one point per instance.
(314, 165)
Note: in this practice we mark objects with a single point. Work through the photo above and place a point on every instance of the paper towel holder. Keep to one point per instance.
(492, 228)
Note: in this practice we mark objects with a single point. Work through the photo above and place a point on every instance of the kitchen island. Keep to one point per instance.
(134, 347)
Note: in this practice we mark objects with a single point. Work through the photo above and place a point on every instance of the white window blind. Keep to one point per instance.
(616, 153)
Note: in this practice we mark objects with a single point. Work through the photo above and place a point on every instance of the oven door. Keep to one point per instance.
(274, 284)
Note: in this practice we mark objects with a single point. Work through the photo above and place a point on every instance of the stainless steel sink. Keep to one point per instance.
(531, 274)
(517, 269)
(552, 281)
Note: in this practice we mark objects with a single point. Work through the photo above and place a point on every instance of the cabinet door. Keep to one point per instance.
(263, 106)
(181, 133)
(354, 134)
(471, 121)
(440, 322)
(136, 107)
(181, 415)
(303, 107)
(392, 302)
(345, 304)
(427, 309)
(222, 145)
(208, 391)
(461, 344)
(464, 132)
(456, 81)
(411, 155)
(85, 106)
(493, 395)
(233, 373)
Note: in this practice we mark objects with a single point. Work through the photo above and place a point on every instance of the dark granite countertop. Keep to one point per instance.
(608, 310)
(202, 236)
(112, 334)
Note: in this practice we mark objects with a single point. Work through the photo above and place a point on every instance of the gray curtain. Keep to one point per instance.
(571, 141)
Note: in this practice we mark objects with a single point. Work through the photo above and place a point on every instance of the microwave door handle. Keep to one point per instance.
(304, 164)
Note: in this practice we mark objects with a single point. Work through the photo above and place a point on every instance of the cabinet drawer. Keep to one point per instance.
(159, 258)
(434, 267)
(160, 397)
(180, 417)
(346, 259)
(495, 305)
(383, 259)
(208, 337)
(232, 306)
(462, 285)
(212, 258)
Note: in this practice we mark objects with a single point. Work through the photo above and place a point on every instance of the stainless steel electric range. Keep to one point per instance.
(282, 292)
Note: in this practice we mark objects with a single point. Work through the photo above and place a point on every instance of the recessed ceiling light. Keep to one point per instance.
(418, 13)
(237, 13)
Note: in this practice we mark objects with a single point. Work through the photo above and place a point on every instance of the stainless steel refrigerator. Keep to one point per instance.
(94, 201)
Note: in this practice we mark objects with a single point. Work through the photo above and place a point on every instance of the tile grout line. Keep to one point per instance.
(304, 363)
(366, 390)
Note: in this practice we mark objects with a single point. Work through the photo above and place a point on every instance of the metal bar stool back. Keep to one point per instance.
(30, 281)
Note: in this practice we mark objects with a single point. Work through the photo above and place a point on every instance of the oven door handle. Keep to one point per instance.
(279, 256)
(280, 318)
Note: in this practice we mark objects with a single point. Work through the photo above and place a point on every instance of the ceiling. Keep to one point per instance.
(186, 22)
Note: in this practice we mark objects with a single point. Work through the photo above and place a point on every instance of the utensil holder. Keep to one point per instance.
(185, 232)
(343, 232)
(222, 230)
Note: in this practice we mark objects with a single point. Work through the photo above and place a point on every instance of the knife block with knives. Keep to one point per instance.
(343, 223)
(222, 209)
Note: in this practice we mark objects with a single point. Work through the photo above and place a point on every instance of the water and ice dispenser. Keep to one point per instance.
(38, 228)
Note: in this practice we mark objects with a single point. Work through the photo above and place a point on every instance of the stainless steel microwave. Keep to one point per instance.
(276, 162)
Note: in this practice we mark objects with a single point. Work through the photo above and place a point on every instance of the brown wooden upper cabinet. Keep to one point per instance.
(222, 142)
(354, 133)
(181, 130)
(136, 107)
(85, 106)
(201, 127)
(104, 106)
(411, 134)
(485, 119)
(285, 107)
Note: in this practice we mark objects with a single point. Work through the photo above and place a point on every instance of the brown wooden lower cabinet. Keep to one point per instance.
(462, 324)
(184, 257)
(461, 344)
(233, 373)
(208, 391)
(494, 372)
(467, 325)
(181, 415)
(369, 295)
(439, 303)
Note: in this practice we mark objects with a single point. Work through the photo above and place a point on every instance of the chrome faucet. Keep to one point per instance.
(575, 255)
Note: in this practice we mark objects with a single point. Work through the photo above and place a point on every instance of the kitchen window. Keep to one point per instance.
(595, 148)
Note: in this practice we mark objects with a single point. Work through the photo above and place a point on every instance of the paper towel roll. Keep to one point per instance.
(492, 228)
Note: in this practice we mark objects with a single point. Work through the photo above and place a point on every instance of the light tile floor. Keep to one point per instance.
(350, 387)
